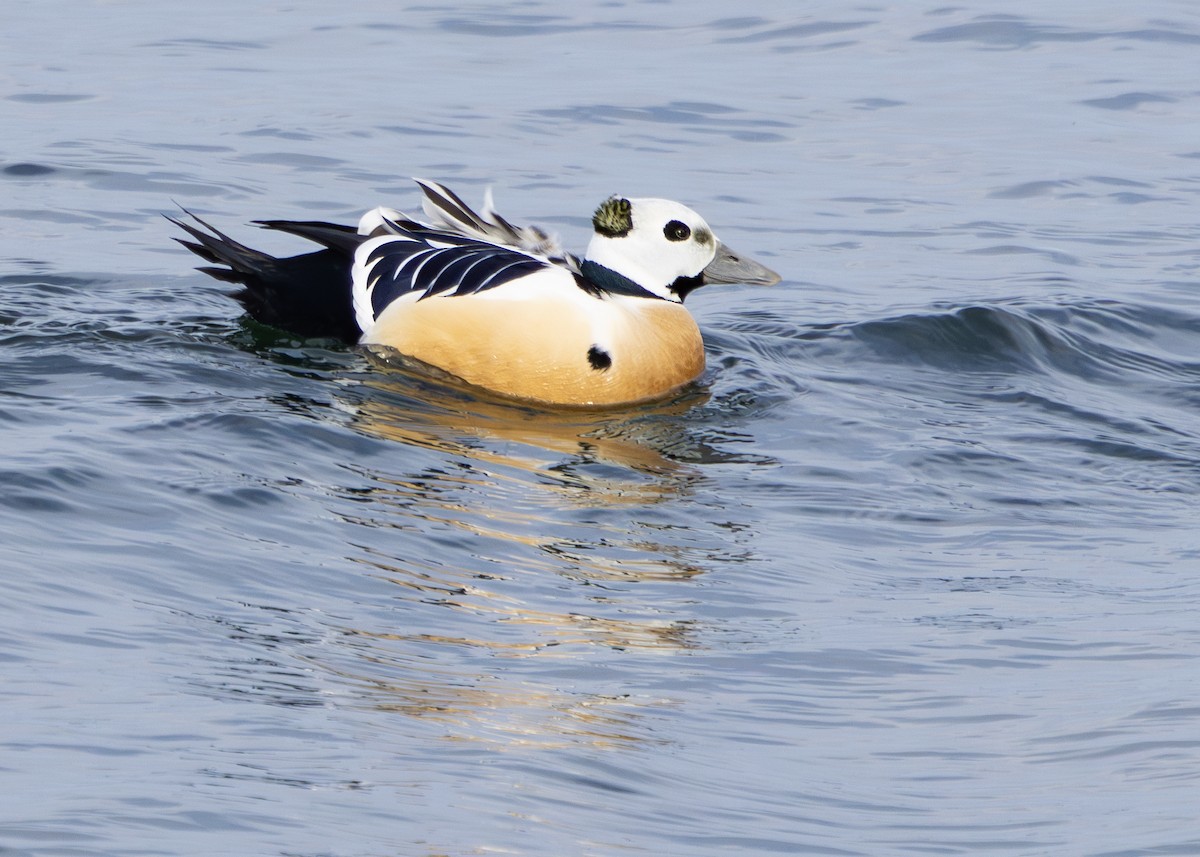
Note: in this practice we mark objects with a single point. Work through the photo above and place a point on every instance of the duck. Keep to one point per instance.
(498, 306)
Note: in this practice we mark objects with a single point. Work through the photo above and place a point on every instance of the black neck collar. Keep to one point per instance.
(608, 281)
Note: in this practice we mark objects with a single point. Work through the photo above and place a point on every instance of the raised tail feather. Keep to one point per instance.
(309, 295)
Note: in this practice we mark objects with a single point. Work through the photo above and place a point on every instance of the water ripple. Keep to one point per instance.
(911, 569)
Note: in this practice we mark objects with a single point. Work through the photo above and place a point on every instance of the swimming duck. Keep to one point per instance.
(499, 306)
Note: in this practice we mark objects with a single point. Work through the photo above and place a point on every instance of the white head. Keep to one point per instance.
(666, 248)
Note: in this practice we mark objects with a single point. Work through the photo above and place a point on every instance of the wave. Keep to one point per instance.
(1095, 340)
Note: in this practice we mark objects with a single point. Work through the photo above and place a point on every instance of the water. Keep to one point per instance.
(914, 571)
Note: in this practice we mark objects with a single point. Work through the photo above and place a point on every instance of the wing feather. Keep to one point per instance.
(422, 263)
(448, 211)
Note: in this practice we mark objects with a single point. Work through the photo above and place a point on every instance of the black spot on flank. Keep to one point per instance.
(599, 359)
(676, 230)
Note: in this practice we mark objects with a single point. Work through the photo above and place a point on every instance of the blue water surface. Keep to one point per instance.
(914, 570)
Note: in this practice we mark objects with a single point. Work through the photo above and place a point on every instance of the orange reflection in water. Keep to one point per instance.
(504, 503)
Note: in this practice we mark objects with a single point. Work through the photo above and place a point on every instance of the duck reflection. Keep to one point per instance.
(586, 491)
(304, 659)
(413, 407)
(537, 533)
(525, 553)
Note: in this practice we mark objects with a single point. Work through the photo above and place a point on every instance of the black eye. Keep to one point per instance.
(676, 231)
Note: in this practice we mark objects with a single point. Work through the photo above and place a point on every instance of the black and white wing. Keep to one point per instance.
(414, 261)
(448, 213)
(446, 209)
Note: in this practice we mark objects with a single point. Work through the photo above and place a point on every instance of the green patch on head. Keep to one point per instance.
(613, 218)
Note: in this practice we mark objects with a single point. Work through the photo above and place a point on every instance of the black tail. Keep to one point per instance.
(309, 295)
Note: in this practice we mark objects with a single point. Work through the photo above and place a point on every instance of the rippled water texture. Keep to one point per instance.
(913, 571)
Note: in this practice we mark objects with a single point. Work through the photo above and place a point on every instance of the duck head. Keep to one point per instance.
(666, 248)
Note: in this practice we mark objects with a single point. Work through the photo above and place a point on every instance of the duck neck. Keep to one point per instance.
(611, 282)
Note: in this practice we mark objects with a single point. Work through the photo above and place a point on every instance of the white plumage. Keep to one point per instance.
(503, 306)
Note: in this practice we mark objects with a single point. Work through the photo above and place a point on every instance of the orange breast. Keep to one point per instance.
(556, 349)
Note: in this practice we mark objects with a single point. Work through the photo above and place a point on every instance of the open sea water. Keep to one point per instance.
(914, 570)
